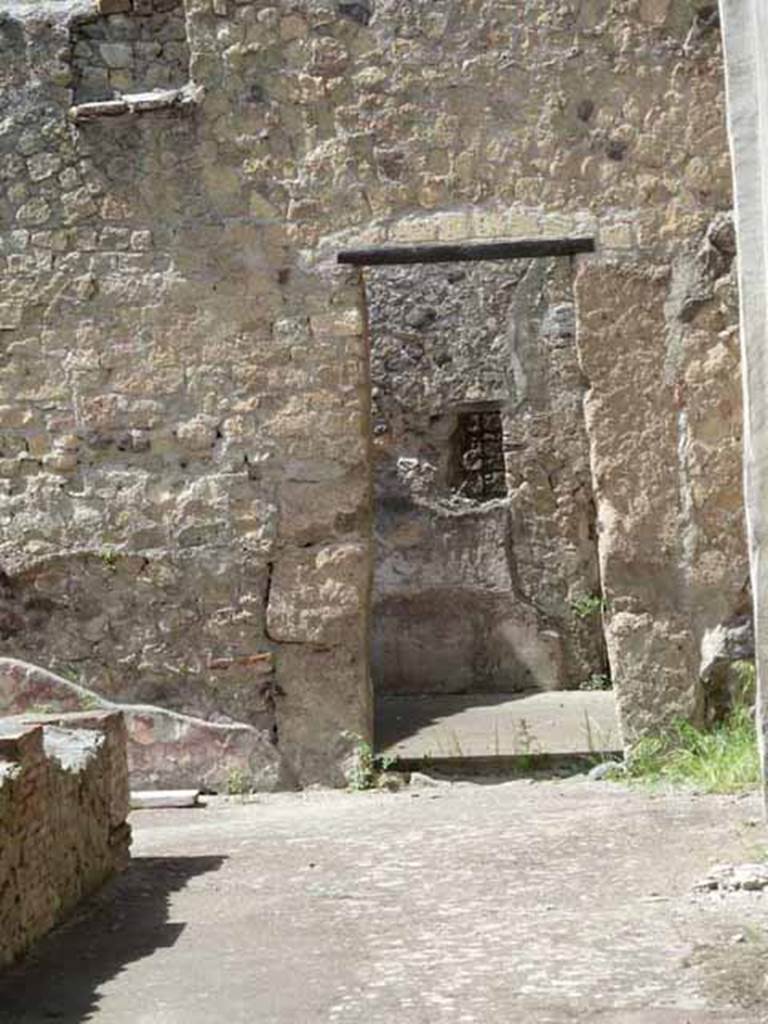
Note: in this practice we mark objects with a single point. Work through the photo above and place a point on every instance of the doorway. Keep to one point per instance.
(487, 636)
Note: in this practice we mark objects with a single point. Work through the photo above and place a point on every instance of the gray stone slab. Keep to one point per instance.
(497, 725)
(149, 799)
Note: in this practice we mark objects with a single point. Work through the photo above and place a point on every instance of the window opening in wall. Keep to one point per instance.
(478, 464)
(131, 57)
(141, 48)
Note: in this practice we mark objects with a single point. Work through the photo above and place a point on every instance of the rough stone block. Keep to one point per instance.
(489, 224)
(77, 205)
(116, 55)
(344, 323)
(42, 165)
(141, 241)
(311, 511)
(453, 227)
(617, 236)
(522, 224)
(324, 709)
(554, 225)
(36, 211)
(10, 315)
(414, 229)
(654, 12)
(292, 27)
(318, 596)
(15, 416)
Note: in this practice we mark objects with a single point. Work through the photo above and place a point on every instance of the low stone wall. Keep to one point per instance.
(63, 809)
(165, 749)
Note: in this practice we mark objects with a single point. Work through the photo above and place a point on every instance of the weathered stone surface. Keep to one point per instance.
(316, 595)
(118, 53)
(455, 640)
(727, 666)
(665, 541)
(492, 939)
(318, 689)
(63, 808)
(471, 592)
(745, 25)
(734, 878)
(165, 749)
(142, 559)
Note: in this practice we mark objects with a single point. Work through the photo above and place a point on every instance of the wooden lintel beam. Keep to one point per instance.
(462, 251)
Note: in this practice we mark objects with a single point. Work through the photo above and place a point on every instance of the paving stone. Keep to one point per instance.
(465, 904)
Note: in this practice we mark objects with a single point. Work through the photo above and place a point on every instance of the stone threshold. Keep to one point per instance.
(496, 730)
(138, 103)
(149, 799)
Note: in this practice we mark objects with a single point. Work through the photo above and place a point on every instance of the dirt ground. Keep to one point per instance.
(460, 903)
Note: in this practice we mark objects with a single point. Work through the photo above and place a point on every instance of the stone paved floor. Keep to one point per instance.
(489, 725)
(516, 903)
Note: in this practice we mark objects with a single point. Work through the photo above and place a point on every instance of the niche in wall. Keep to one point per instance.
(140, 48)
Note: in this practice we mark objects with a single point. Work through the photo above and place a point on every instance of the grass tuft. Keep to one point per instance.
(721, 760)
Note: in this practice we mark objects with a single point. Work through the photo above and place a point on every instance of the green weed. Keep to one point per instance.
(584, 606)
(525, 745)
(597, 681)
(109, 558)
(238, 782)
(42, 709)
(746, 676)
(367, 767)
(722, 760)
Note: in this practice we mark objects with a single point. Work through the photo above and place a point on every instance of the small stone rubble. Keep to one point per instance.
(735, 878)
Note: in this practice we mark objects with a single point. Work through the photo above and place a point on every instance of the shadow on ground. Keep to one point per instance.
(398, 717)
(59, 980)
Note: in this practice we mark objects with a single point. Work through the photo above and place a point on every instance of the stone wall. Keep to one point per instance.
(184, 392)
(137, 46)
(477, 587)
(63, 810)
(746, 41)
(663, 546)
(165, 749)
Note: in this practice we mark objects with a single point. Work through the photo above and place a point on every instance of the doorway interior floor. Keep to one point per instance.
(497, 725)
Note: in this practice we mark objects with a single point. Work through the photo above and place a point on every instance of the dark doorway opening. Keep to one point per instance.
(487, 633)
